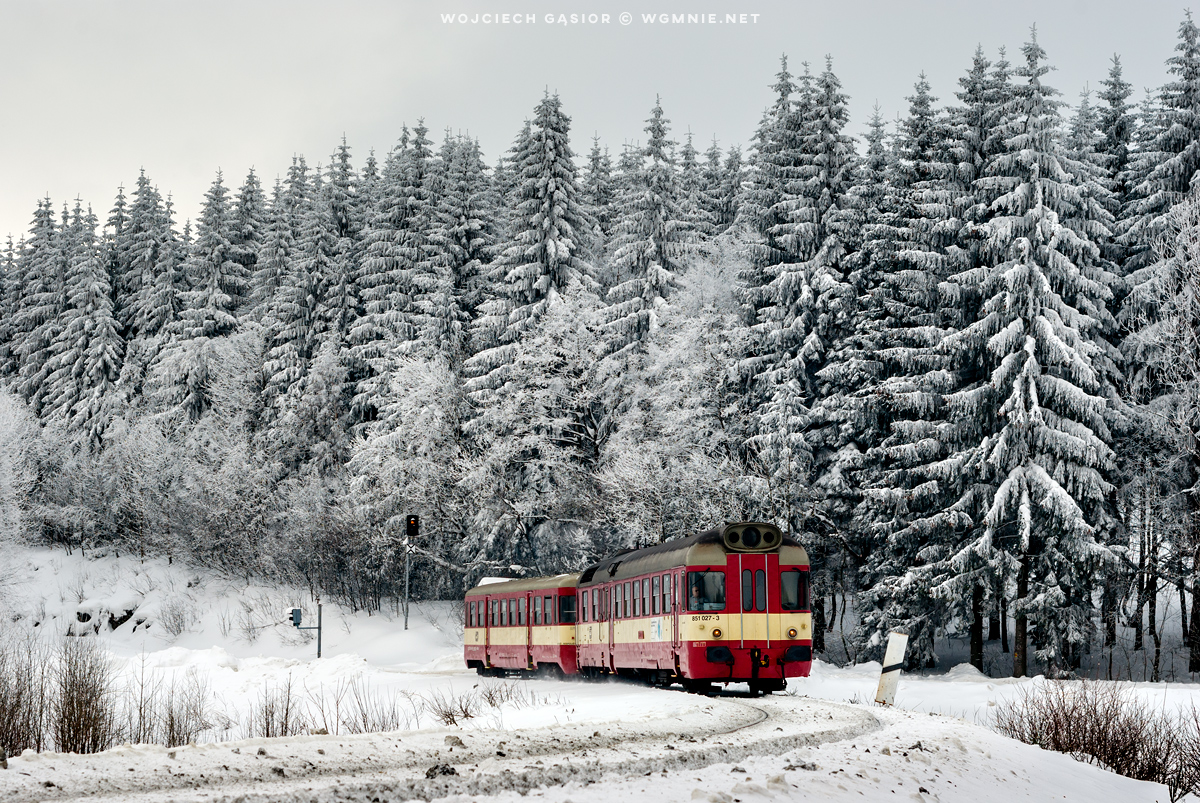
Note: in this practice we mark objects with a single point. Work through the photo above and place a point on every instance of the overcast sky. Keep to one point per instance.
(93, 90)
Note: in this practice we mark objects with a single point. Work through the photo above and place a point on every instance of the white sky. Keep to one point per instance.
(93, 90)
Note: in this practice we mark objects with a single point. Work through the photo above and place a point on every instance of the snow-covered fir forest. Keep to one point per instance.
(958, 357)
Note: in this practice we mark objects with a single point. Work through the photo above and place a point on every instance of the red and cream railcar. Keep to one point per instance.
(728, 605)
(521, 625)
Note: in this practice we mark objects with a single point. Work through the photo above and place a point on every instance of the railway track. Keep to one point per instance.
(427, 765)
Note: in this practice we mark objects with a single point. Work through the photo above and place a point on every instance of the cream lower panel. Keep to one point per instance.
(647, 630)
(745, 626)
(553, 634)
(509, 636)
(473, 636)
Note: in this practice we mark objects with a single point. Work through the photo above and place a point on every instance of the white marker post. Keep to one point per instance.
(893, 661)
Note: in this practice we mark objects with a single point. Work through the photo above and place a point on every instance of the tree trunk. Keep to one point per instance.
(1140, 585)
(832, 612)
(1152, 607)
(818, 624)
(1021, 635)
(993, 627)
(1183, 613)
(1004, 625)
(977, 627)
(1194, 630)
(1108, 612)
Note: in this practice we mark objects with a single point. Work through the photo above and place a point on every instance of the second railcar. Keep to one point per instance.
(521, 625)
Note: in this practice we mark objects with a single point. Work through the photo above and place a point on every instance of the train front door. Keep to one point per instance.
(754, 583)
(610, 599)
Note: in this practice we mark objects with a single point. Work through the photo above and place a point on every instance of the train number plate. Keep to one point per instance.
(706, 617)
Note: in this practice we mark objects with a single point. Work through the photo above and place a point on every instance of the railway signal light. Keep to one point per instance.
(412, 526)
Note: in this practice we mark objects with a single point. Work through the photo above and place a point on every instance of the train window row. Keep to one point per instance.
(649, 596)
(512, 612)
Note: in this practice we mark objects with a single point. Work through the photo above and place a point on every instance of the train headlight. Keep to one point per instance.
(716, 632)
(792, 632)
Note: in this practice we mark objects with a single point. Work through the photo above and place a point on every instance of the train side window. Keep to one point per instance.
(566, 610)
(637, 599)
(472, 613)
(747, 590)
(512, 611)
(503, 613)
(760, 590)
(614, 596)
(583, 609)
(492, 603)
(537, 610)
(706, 591)
(597, 609)
(548, 610)
(646, 597)
(521, 611)
(793, 591)
(666, 593)
(625, 600)
(654, 596)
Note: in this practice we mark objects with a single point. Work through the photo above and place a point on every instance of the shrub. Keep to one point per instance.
(84, 717)
(1102, 723)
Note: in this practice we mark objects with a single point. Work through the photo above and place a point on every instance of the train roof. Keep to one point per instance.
(707, 547)
(525, 584)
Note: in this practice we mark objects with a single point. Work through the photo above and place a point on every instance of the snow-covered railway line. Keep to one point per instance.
(432, 764)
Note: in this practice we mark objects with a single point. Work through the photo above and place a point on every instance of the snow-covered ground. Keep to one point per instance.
(559, 740)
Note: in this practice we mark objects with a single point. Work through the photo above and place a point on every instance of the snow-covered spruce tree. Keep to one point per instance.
(598, 190)
(110, 239)
(548, 251)
(10, 299)
(341, 305)
(42, 265)
(462, 242)
(1165, 167)
(219, 285)
(693, 199)
(1036, 447)
(247, 226)
(86, 356)
(651, 240)
(765, 201)
(275, 255)
(1117, 124)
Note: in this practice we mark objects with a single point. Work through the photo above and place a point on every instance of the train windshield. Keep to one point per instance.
(706, 591)
(793, 591)
(566, 610)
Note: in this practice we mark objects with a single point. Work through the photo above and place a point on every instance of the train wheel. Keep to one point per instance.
(700, 687)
